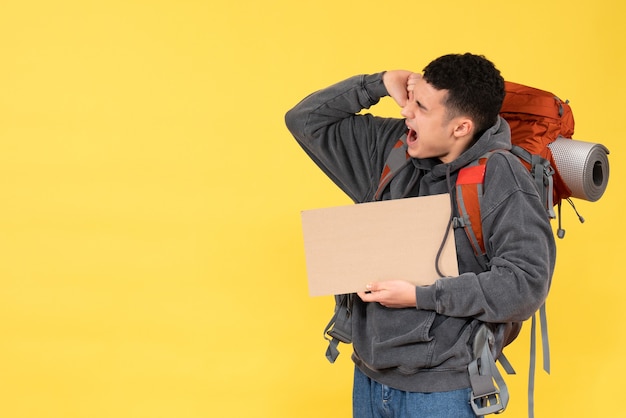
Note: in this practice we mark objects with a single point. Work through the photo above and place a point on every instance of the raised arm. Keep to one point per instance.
(348, 146)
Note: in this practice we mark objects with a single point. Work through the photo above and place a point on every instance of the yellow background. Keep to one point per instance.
(151, 259)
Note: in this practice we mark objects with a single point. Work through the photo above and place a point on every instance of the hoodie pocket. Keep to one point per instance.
(447, 347)
(405, 342)
(452, 338)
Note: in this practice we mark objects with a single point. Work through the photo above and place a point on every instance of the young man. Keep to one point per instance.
(412, 345)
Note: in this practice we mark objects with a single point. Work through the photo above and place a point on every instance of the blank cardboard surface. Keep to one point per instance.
(347, 247)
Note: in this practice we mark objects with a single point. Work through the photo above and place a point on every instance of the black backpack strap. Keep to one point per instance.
(339, 328)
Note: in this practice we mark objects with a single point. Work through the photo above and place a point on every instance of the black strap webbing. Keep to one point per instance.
(339, 328)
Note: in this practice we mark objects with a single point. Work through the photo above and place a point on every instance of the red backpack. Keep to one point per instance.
(537, 118)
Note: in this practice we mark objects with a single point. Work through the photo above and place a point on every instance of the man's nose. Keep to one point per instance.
(406, 112)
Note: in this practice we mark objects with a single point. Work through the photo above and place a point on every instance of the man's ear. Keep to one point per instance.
(463, 128)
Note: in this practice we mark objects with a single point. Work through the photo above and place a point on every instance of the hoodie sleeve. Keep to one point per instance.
(521, 248)
(346, 145)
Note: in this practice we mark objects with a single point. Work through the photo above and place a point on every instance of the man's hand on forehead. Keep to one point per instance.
(410, 84)
(396, 84)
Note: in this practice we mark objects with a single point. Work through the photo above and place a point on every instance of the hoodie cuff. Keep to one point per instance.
(426, 297)
(374, 86)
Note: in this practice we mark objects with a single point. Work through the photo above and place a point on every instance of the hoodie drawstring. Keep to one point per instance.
(449, 227)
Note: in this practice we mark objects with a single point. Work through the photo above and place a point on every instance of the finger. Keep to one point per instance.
(365, 296)
(373, 287)
(412, 80)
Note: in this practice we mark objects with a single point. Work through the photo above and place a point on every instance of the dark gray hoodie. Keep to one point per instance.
(428, 349)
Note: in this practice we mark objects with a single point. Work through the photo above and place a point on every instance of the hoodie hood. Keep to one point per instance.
(498, 137)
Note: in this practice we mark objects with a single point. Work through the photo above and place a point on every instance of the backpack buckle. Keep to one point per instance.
(488, 401)
(459, 222)
(489, 394)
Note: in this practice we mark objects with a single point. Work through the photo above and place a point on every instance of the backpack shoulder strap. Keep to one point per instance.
(542, 173)
(469, 193)
(397, 159)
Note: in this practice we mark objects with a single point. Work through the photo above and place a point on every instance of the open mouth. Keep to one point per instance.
(411, 136)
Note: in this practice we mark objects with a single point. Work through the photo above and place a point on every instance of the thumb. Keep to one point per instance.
(373, 287)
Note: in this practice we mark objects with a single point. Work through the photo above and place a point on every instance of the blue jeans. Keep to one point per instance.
(373, 400)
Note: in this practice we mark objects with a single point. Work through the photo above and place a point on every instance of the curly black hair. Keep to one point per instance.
(475, 87)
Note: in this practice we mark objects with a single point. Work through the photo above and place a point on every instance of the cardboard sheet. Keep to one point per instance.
(347, 247)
